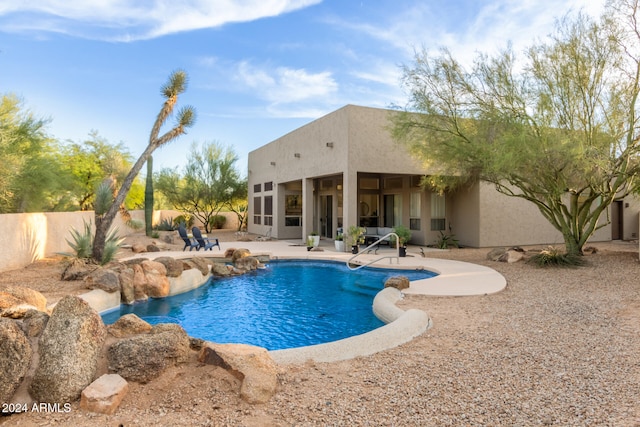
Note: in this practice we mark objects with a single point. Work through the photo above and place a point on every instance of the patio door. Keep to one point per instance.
(392, 210)
(326, 216)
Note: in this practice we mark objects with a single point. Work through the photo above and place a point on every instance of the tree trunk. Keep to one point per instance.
(148, 198)
(572, 245)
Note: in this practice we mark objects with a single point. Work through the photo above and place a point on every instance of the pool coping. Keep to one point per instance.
(455, 278)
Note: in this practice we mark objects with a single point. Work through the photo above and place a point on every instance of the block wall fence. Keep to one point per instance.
(28, 237)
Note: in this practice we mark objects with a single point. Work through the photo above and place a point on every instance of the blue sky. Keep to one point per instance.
(258, 69)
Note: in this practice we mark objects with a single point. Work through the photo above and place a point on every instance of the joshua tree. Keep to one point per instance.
(186, 116)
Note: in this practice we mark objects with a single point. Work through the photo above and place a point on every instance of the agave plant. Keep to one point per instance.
(552, 256)
(82, 243)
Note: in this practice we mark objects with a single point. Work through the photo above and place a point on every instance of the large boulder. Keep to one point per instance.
(16, 301)
(29, 296)
(139, 283)
(157, 283)
(68, 352)
(76, 269)
(129, 325)
(144, 357)
(247, 263)
(250, 364)
(240, 253)
(199, 263)
(103, 278)
(220, 270)
(174, 267)
(15, 358)
(13, 307)
(127, 291)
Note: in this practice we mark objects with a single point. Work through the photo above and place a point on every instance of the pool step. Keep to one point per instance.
(361, 288)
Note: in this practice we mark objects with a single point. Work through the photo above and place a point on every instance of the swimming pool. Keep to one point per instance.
(288, 304)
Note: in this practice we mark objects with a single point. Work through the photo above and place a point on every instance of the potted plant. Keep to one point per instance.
(309, 243)
(404, 235)
(356, 236)
(315, 238)
(339, 242)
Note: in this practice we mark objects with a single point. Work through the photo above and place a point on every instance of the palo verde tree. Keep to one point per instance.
(209, 184)
(185, 118)
(88, 162)
(558, 128)
(30, 171)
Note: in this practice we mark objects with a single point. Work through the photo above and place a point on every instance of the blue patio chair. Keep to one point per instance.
(204, 242)
(188, 243)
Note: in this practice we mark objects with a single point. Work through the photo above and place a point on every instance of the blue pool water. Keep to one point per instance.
(288, 304)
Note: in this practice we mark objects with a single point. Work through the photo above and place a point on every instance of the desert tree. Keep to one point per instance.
(209, 183)
(557, 127)
(30, 176)
(185, 118)
(88, 162)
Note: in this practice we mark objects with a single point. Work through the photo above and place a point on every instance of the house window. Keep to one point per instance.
(326, 184)
(268, 186)
(293, 210)
(393, 183)
(268, 209)
(437, 212)
(414, 211)
(257, 210)
(369, 184)
(257, 188)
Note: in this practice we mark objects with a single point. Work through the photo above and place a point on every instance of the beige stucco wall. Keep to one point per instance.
(505, 221)
(631, 208)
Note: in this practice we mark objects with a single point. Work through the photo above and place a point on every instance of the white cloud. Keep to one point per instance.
(283, 85)
(127, 20)
(467, 27)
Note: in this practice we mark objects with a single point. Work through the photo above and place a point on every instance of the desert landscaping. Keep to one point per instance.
(558, 346)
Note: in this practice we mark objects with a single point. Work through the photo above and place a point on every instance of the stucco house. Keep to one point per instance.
(344, 169)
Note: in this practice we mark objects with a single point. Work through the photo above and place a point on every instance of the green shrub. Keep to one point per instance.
(186, 220)
(217, 221)
(553, 257)
(446, 241)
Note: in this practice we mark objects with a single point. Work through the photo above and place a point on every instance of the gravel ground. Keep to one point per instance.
(558, 347)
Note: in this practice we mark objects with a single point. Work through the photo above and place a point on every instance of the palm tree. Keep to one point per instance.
(186, 116)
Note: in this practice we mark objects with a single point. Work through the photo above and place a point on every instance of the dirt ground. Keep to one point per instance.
(381, 389)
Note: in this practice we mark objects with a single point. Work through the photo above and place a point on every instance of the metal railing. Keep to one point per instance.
(368, 248)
